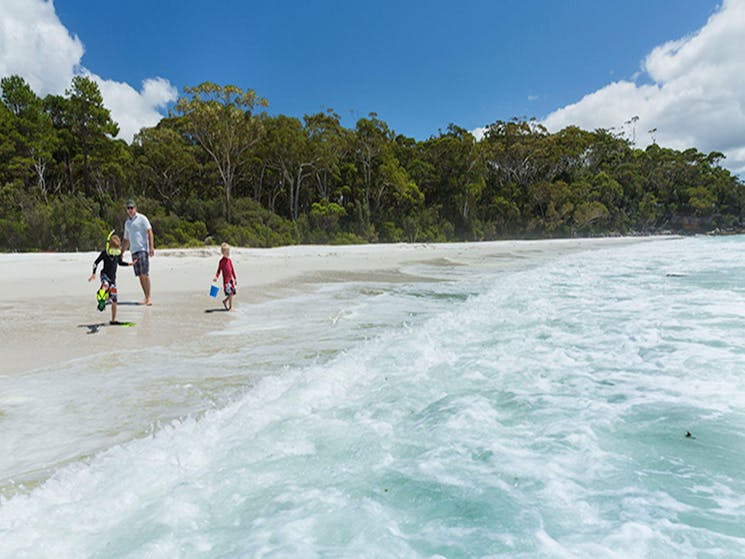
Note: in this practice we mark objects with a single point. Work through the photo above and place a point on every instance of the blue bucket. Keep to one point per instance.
(214, 290)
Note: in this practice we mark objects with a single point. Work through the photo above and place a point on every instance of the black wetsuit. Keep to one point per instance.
(110, 264)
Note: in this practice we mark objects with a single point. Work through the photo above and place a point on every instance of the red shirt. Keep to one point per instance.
(226, 267)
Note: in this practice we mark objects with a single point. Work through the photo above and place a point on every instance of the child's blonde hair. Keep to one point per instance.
(225, 249)
(115, 242)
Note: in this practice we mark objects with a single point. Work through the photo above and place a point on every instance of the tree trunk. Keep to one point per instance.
(228, 188)
(40, 167)
(260, 185)
(296, 201)
(86, 177)
(71, 180)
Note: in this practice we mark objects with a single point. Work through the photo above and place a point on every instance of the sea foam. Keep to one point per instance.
(537, 411)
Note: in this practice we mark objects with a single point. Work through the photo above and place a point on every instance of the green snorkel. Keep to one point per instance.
(109, 250)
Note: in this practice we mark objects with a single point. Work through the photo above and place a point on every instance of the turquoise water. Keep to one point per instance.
(531, 409)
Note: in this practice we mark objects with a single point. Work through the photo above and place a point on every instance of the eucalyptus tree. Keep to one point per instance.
(90, 120)
(287, 150)
(700, 174)
(12, 162)
(221, 120)
(58, 109)
(7, 146)
(607, 151)
(372, 135)
(517, 155)
(385, 181)
(515, 151)
(113, 170)
(458, 179)
(728, 189)
(668, 177)
(572, 150)
(588, 215)
(32, 131)
(165, 163)
(551, 206)
(330, 143)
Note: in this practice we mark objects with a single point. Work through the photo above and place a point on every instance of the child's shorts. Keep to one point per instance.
(229, 288)
(110, 287)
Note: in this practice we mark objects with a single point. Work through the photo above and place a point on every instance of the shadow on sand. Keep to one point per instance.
(92, 328)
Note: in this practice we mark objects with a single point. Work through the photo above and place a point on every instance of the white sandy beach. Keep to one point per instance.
(48, 311)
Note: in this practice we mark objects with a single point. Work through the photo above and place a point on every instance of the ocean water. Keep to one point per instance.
(534, 407)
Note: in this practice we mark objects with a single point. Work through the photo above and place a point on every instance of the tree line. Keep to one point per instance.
(220, 168)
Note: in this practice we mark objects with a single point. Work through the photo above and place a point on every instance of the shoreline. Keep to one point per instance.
(49, 305)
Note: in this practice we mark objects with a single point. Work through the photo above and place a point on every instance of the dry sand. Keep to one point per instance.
(48, 309)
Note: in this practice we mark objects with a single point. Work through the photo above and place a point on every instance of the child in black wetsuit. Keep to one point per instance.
(111, 257)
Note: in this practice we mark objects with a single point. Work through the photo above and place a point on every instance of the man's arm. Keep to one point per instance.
(125, 239)
(151, 241)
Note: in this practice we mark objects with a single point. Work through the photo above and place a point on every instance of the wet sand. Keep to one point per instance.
(49, 315)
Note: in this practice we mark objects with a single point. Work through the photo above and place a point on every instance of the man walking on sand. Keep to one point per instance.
(138, 238)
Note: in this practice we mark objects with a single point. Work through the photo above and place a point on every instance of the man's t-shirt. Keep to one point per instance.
(135, 230)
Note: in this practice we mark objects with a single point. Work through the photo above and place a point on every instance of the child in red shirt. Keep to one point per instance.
(229, 279)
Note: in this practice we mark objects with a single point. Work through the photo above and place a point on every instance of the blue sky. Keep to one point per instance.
(418, 64)
(676, 64)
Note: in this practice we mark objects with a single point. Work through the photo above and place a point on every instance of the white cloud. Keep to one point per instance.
(695, 98)
(35, 45)
(133, 109)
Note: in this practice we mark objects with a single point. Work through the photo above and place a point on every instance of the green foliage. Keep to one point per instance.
(427, 227)
(325, 215)
(255, 226)
(219, 171)
(90, 123)
(174, 231)
(220, 119)
(63, 223)
(347, 238)
(322, 223)
(588, 216)
(74, 218)
(166, 163)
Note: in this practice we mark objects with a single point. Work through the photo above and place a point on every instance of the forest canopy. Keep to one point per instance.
(221, 168)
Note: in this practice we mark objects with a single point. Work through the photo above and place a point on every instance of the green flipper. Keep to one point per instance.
(102, 296)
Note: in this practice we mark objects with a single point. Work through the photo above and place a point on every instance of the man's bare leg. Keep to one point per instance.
(145, 283)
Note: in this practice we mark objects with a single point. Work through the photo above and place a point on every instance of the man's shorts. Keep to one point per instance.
(110, 287)
(142, 266)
